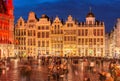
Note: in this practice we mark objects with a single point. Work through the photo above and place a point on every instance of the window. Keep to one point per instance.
(47, 34)
(38, 34)
(101, 32)
(47, 43)
(94, 41)
(43, 43)
(38, 43)
(43, 28)
(24, 32)
(98, 40)
(82, 32)
(86, 31)
(65, 38)
(82, 41)
(101, 41)
(70, 25)
(34, 33)
(79, 32)
(20, 23)
(38, 27)
(94, 31)
(85, 41)
(34, 43)
(43, 34)
(47, 27)
(98, 33)
(31, 21)
(74, 38)
(58, 26)
(90, 22)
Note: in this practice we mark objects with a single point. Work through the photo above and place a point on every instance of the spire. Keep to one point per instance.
(90, 14)
(57, 19)
(69, 18)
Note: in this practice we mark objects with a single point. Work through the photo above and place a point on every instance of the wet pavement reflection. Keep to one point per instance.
(36, 70)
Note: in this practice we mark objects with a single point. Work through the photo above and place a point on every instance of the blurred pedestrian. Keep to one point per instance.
(102, 76)
(88, 79)
(108, 77)
(91, 66)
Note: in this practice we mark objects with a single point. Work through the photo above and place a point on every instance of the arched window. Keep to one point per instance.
(20, 23)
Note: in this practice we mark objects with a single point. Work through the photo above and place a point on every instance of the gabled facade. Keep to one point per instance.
(91, 37)
(57, 38)
(114, 38)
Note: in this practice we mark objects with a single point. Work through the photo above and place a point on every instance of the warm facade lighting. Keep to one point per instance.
(6, 29)
(44, 36)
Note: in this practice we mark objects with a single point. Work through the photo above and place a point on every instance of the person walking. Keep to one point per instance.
(108, 77)
(102, 76)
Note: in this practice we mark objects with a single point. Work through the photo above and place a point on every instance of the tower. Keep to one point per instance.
(6, 29)
(90, 18)
(10, 7)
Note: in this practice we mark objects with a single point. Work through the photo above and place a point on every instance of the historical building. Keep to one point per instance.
(44, 36)
(91, 37)
(114, 41)
(6, 29)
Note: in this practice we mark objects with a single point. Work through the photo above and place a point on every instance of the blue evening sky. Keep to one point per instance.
(104, 10)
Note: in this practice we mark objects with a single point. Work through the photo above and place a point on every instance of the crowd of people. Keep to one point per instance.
(107, 70)
(104, 69)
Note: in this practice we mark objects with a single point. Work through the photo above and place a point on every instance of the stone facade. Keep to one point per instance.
(6, 29)
(44, 36)
(114, 41)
